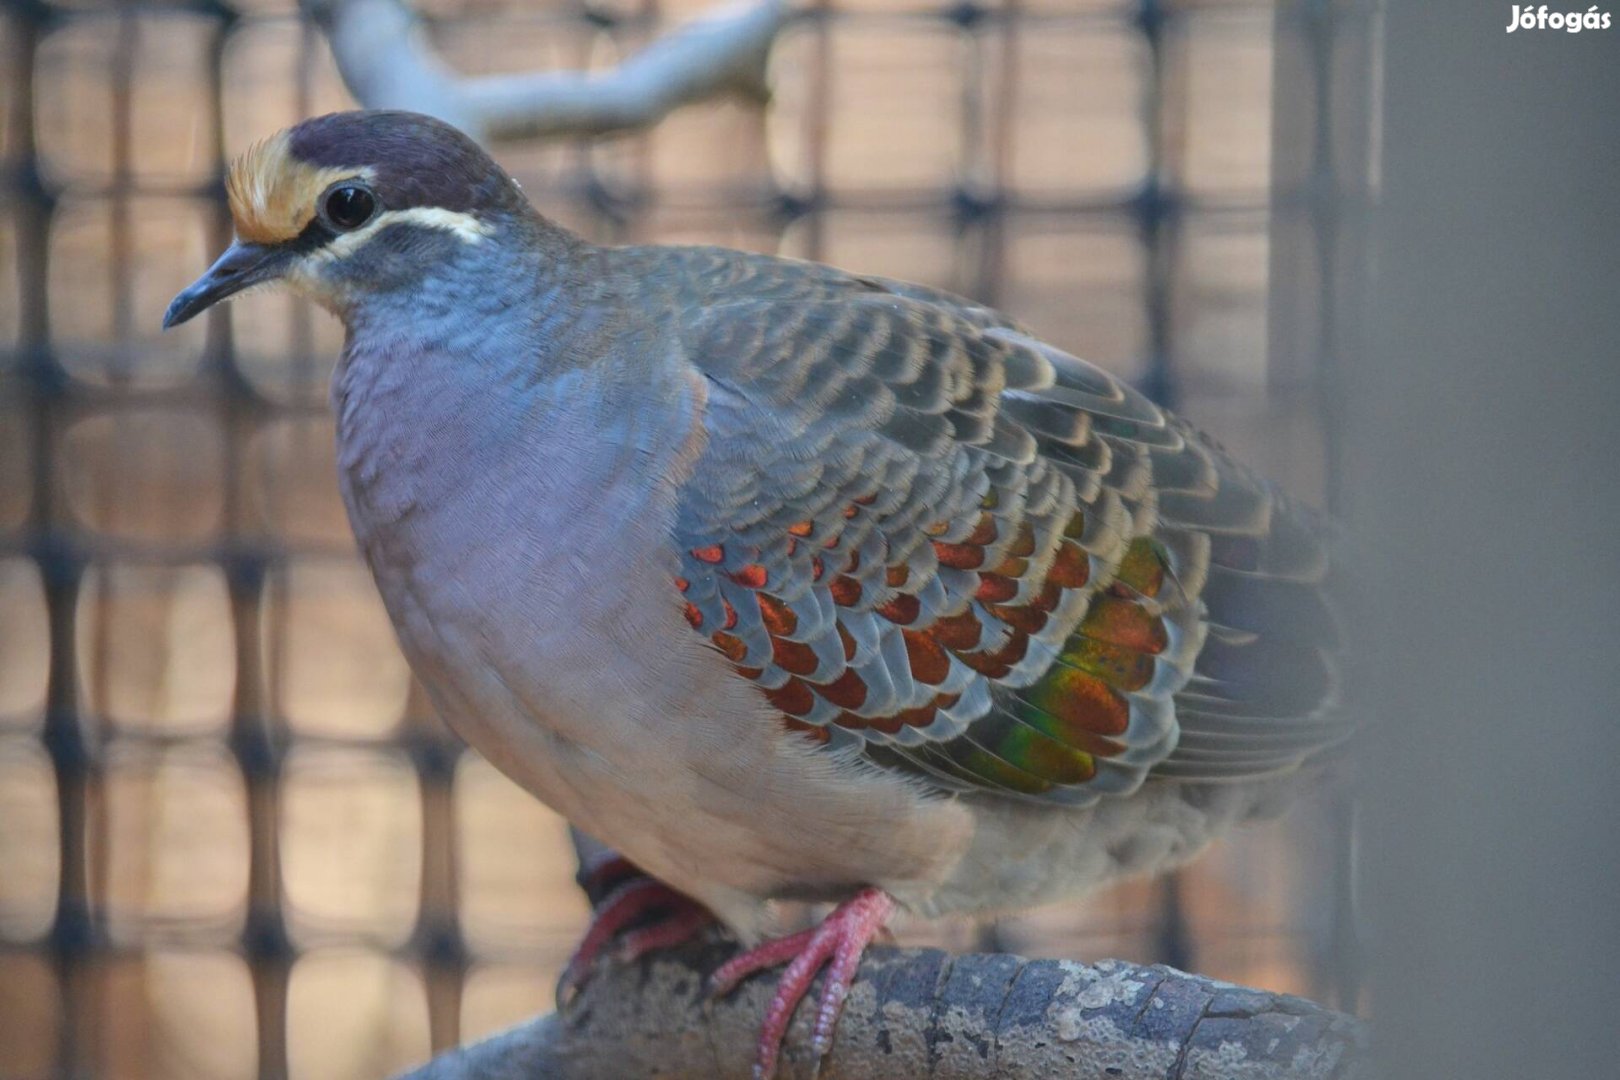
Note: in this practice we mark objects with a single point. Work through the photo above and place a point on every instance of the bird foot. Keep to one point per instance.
(838, 944)
(635, 914)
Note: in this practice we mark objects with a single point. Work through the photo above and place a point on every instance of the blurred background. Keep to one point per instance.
(234, 840)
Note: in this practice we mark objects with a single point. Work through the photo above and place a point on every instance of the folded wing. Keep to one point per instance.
(938, 543)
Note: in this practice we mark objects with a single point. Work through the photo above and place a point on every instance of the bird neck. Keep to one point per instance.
(529, 286)
(538, 344)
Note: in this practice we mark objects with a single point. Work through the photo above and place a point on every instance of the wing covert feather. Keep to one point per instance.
(936, 541)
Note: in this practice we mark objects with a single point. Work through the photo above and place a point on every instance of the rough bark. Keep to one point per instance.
(918, 1013)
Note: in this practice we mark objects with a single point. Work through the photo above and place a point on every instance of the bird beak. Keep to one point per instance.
(242, 265)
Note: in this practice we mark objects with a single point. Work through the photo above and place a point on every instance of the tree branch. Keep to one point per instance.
(918, 1013)
(386, 63)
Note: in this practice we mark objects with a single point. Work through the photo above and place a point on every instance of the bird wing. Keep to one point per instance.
(961, 553)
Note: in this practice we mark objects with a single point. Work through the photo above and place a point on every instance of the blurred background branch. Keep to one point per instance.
(918, 1013)
(380, 51)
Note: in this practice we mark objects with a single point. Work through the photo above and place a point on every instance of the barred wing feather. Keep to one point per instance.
(959, 552)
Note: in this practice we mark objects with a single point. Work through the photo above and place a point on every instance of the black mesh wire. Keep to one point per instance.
(233, 840)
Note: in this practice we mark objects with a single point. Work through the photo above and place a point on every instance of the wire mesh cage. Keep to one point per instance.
(234, 840)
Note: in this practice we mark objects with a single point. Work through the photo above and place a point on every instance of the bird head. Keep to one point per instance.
(355, 204)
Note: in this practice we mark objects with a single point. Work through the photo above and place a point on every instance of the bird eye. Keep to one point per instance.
(349, 206)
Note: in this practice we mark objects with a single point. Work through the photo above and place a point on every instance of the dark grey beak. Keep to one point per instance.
(242, 266)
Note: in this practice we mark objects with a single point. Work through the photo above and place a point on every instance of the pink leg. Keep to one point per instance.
(631, 898)
(681, 924)
(766, 955)
(838, 943)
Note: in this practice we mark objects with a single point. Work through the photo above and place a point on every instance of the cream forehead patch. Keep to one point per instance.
(272, 194)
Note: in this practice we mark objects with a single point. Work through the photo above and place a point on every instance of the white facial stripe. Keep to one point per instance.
(465, 227)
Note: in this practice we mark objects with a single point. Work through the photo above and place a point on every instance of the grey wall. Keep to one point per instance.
(1480, 472)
